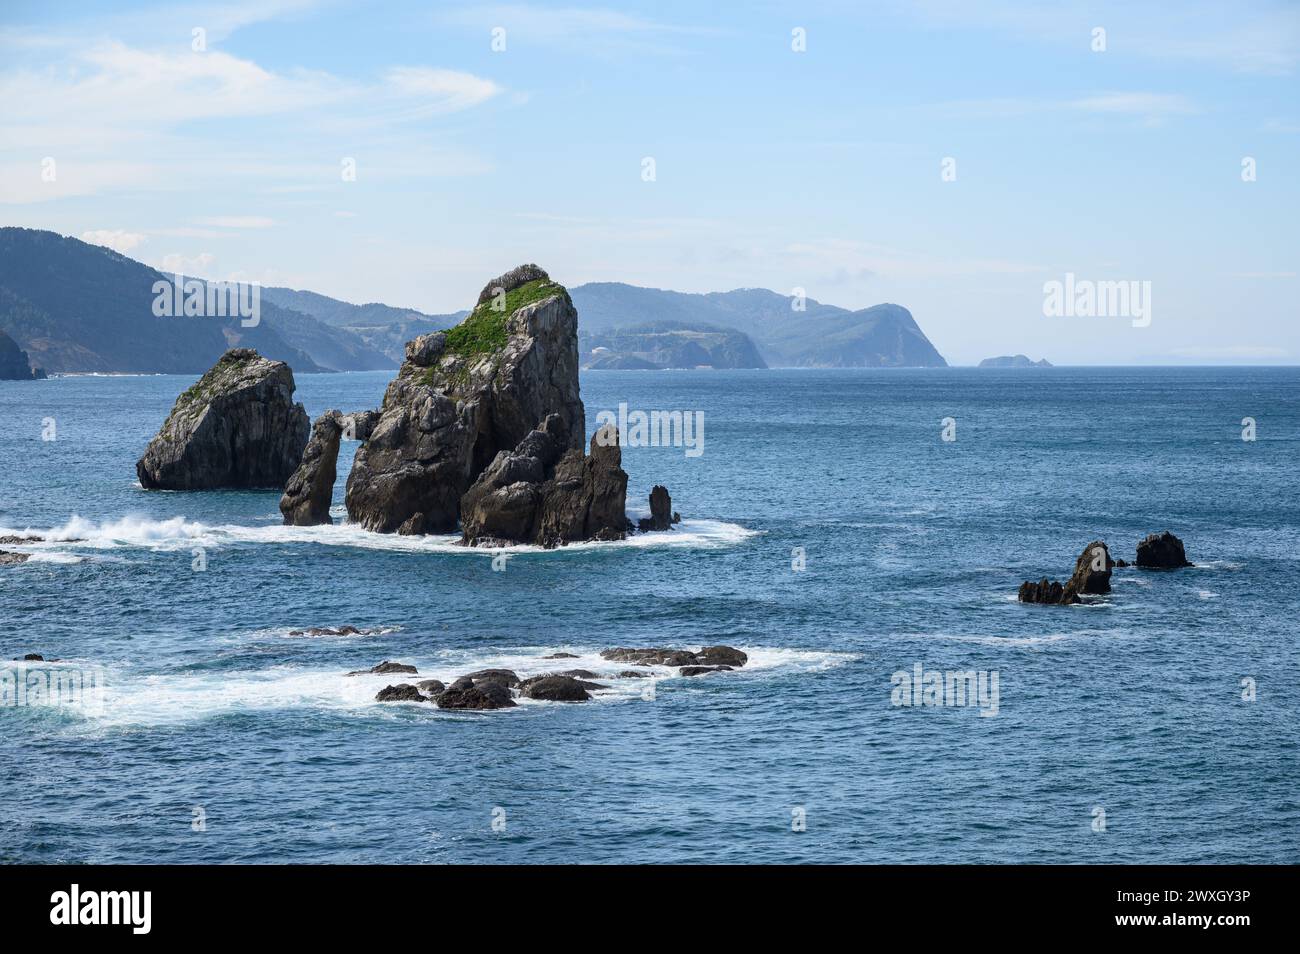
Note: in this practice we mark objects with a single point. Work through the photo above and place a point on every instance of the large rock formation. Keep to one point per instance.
(237, 427)
(14, 364)
(1091, 575)
(1162, 551)
(502, 382)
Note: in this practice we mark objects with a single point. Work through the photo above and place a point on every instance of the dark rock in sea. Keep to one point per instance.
(1121, 563)
(11, 541)
(307, 495)
(721, 656)
(463, 396)
(431, 687)
(30, 657)
(1092, 569)
(14, 364)
(578, 673)
(1044, 591)
(1162, 551)
(385, 668)
(658, 656)
(505, 677)
(650, 657)
(555, 689)
(661, 511)
(703, 670)
(633, 674)
(403, 693)
(237, 427)
(326, 631)
(9, 558)
(466, 694)
(552, 655)
(1091, 575)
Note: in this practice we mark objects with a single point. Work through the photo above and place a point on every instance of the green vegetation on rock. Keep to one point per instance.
(484, 329)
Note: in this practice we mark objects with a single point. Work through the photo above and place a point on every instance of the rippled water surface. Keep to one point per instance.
(1129, 705)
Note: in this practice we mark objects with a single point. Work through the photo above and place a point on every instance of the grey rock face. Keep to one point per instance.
(9, 558)
(587, 497)
(307, 495)
(237, 427)
(464, 396)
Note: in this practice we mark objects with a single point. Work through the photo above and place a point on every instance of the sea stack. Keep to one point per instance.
(237, 427)
(503, 381)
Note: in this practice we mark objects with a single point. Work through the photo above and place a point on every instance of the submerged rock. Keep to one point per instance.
(385, 668)
(703, 670)
(236, 427)
(326, 631)
(560, 656)
(465, 395)
(431, 687)
(403, 693)
(1162, 551)
(9, 558)
(307, 495)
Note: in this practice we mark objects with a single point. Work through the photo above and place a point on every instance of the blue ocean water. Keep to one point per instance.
(1127, 709)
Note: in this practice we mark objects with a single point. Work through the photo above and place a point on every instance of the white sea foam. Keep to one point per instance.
(170, 698)
(179, 533)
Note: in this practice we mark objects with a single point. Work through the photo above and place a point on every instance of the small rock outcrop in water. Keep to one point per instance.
(656, 656)
(661, 511)
(555, 689)
(385, 668)
(463, 396)
(403, 693)
(9, 558)
(465, 693)
(1091, 575)
(14, 365)
(237, 427)
(1162, 551)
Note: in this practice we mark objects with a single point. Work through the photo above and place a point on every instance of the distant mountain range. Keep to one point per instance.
(76, 307)
(80, 307)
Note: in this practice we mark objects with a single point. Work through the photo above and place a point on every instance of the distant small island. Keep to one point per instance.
(1014, 361)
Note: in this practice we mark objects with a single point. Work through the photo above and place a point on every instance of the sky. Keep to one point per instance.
(952, 157)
